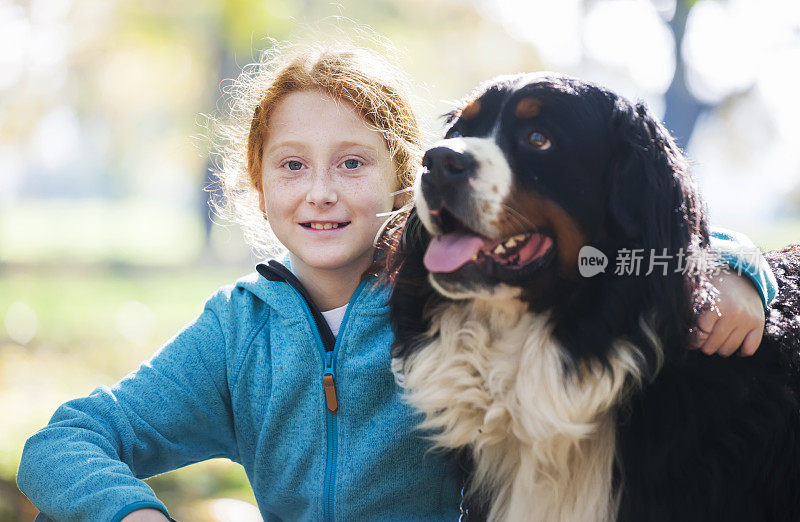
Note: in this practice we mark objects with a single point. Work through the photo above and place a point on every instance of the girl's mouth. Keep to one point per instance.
(317, 225)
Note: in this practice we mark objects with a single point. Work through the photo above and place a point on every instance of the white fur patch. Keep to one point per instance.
(493, 377)
(423, 211)
(458, 291)
(489, 188)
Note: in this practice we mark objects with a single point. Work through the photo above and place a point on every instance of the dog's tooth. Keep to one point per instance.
(499, 250)
(520, 237)
(511, 243)
(475, 257)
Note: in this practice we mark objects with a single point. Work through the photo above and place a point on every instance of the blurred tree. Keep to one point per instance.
(682, 107)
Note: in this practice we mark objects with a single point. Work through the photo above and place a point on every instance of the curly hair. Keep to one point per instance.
(371, 82)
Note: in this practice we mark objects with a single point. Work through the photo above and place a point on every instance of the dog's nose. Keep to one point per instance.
(445, 165)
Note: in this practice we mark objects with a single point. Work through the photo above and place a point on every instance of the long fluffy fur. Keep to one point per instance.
(494, 378)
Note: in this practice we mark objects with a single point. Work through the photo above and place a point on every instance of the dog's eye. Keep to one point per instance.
(539, 140)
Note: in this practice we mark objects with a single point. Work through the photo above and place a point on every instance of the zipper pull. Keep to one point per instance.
(329, 384)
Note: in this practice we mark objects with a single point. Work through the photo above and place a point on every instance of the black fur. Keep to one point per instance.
(707, 438)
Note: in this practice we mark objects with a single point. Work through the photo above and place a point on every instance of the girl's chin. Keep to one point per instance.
(321, 261)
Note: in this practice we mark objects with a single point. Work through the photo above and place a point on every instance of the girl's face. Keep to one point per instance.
(326, 174)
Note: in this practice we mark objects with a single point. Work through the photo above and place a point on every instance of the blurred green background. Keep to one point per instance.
(107, 246)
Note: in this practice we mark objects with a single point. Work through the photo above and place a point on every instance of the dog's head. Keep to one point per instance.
(531, 169)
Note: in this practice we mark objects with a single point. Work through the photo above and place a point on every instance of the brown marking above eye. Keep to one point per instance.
(471, 110)
(528, 108)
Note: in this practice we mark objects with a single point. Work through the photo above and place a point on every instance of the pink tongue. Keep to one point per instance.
(450, 252)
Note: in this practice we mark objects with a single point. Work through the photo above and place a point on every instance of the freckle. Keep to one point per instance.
(485, 206)
(494, 189)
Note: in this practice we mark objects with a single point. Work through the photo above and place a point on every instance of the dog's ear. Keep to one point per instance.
(653, 198)
(654, 205)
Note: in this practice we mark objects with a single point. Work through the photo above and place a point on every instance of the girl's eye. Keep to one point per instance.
(293, 165)
(456, 134)
(539, 140)
(351, 164)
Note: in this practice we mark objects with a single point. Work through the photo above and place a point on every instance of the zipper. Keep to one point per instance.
(333, 449)
(329, 384)
(328, 346)
(333, 438)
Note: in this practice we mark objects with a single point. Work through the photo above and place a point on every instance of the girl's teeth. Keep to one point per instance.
(324, 226)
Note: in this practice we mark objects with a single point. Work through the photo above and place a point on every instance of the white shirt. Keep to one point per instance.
(334, 318)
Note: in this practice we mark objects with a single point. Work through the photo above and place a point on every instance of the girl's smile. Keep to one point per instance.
(327, 225)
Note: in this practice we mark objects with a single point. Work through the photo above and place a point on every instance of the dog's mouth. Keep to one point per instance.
(459, 246)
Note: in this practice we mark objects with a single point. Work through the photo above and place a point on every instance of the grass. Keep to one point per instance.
(776, 235)
(133, 232)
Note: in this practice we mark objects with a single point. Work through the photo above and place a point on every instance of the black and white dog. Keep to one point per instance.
(575, 398)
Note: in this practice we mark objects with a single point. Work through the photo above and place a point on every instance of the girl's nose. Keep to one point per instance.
(322, 191)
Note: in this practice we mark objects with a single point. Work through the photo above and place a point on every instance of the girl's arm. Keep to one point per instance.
(745, 290)
(88, 462)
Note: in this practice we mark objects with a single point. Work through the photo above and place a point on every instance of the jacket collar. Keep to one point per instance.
(274, 271)
(268, 283)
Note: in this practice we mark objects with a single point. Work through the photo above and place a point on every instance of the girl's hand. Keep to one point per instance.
(145, 515)
(740, 321)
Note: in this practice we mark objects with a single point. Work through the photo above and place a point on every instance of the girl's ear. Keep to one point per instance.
(261, 203)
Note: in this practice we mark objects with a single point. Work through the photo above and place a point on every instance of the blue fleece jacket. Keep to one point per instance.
(246, 381)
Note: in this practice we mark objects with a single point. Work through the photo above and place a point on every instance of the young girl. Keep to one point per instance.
(287, 371)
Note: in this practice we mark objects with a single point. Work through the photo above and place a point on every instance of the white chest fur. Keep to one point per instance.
(494, 378)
